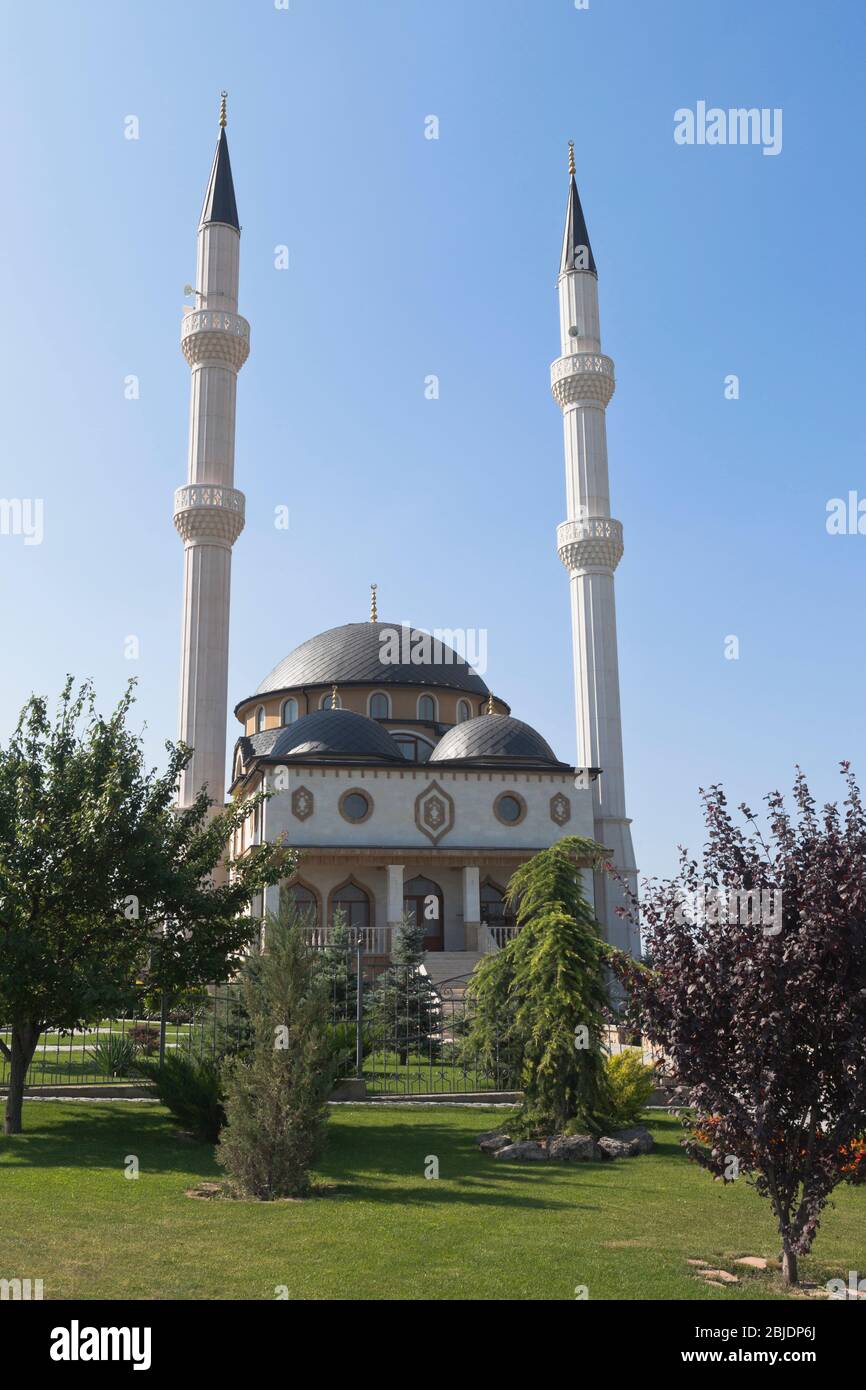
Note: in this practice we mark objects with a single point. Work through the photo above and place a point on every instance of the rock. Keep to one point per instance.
(637, 1134)
(526, 1151)
(615, 1148)
(753, 1261)
(574, 1148)
(705, 1263)
(719, 1276)
(494, 1140)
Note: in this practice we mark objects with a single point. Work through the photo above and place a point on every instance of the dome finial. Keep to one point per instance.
(490, 709)
(223, 118)
(571, 159)
(335, 700)
(374, 611)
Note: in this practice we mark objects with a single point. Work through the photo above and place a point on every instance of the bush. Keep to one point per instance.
(191, 1088)
(343, 1042)
(630, 1083)
(114, 1055)
(144, 1038)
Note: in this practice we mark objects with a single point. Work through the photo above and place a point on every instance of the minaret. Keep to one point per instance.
(590, 546)
(209, 511)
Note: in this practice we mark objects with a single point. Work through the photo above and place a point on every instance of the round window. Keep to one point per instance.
(509, 808)
(355, 806)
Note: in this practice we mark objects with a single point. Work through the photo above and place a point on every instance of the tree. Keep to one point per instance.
(103, 880)
(276, 1100)
(338, 962)
(542, 999)
(404, 1009)
(757, 994)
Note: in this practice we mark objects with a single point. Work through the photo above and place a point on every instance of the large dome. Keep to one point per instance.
(352, 655)
(328, 733)
(493, 738)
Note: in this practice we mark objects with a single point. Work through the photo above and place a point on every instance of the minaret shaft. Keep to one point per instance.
(590, 546)
(209, 511)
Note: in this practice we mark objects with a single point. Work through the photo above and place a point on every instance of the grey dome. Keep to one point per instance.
(493, 738)
(328, 733)
(351, 655)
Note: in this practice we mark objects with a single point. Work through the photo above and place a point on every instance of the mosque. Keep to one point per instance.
(406, 786)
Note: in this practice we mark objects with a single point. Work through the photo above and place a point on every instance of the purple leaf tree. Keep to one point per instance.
(755, 989)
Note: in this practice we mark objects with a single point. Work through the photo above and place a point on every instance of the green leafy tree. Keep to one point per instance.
(103, 880)
(543, 998)
(404, 1009)
(276, 1100)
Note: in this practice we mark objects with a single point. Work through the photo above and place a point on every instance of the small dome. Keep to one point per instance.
(352, 655)
(328, 733)
(493, 738)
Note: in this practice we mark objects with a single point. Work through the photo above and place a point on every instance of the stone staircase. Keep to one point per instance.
(450, 969)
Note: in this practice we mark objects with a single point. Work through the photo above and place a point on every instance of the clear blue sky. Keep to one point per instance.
(410, 257)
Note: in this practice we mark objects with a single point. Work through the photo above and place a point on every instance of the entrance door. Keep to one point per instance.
(422, 903)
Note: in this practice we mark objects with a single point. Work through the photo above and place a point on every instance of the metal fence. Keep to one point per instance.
(392, 1028)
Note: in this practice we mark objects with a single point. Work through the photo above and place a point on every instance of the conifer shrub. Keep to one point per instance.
(276, 1093)
(191, 1088)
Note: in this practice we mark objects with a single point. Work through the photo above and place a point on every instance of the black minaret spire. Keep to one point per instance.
(576, 250)
(219, 200)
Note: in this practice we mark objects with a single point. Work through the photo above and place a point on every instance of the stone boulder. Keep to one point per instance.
(638, 1134)
(490, 1142)
(615, 1148)
(574, 1148)
(526, 1151)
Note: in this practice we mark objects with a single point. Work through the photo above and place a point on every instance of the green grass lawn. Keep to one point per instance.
(483, 1230)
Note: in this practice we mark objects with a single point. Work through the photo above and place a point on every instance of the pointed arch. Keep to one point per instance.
(307, 899)
(357, 903)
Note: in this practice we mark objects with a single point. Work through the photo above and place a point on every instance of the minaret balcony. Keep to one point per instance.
(582, 378)
(215, 338)
(592, 543)
(208, 514)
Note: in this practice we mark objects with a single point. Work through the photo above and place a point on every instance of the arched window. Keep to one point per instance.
(380, 706)
(305, 903)
(290, 711)
(423, 906)
(239, 763)
(413, 748)
(330, 701)
(464, 711)
(260, 719)
(427, 708)
(353, 905)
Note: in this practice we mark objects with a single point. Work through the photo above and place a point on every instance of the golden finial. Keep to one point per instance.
(490, 709)
(374, 611)
(571, 158)
(223, 96)
(334, 697)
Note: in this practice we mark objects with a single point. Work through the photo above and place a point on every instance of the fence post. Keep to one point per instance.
(163, 1021)
(359, 1011)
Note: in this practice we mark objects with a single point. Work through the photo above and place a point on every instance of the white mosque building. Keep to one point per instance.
(400, 779)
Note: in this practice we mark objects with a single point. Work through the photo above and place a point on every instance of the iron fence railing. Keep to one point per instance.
(392, 1027)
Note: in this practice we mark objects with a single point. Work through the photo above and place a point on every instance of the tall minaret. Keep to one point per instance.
(209, 511)
(590, 546)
